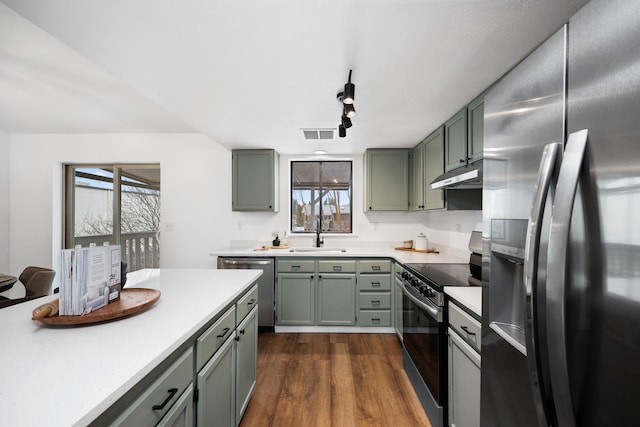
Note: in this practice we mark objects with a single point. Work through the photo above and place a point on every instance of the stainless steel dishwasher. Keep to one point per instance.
(266, 285)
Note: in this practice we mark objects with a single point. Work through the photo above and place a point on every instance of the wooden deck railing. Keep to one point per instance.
(138, 250)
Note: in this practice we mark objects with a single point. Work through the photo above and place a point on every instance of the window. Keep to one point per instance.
(321, 197)
(115, 204)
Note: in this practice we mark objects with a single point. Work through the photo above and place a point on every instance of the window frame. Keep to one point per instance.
(320, 186)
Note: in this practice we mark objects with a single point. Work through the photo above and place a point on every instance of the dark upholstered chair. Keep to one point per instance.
(37, 282)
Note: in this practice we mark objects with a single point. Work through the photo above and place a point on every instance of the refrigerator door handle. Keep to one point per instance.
(566, 189)
(548, 166)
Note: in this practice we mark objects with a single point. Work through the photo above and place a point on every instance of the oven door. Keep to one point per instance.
(424, 338)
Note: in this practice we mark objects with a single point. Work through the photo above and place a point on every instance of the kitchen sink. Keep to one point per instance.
(318, 250)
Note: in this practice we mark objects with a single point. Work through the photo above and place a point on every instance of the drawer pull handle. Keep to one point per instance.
(466, 329)
(376, 302)
(375, 268)
(337, 268)
(224, 332)
(251, 301)
(375, 284)
(172, 392)
(295, 267)
(375, 320)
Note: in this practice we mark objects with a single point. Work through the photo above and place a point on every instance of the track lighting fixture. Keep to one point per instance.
(348, 110)
(349, 91)
(346, 121)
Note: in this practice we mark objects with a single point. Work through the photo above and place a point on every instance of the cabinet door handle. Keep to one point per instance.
(375, 284)
(252, 301)
(160, 407)
(462, 161)
(224, 332)
(237, 338)
(242, 331)
(466, 329)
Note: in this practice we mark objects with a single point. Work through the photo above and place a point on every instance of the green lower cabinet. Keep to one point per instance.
(246, 361)
(215, 384)
(336, 299)
(295, 295)
(181, 413)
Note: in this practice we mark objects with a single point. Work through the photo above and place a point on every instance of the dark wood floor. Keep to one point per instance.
(332, 380)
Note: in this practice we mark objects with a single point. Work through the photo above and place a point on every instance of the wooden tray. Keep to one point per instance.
(267, 247)
(132, 301)
(428, 251)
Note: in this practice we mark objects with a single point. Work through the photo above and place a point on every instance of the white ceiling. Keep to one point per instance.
(252, 73)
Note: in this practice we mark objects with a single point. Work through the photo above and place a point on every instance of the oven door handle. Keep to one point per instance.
(427, 306)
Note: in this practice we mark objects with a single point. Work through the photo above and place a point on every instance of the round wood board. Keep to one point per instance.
(132, 301)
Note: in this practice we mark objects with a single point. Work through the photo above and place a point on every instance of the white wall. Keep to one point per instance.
(195, 186)
(4, 201)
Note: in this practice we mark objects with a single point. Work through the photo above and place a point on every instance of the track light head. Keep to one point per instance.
(349, 110)
(349, 91)
(342, 132)
(346, 121)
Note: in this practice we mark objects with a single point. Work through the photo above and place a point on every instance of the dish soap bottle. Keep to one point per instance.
(276, 241)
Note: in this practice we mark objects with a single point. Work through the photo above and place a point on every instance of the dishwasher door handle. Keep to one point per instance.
(246, 262)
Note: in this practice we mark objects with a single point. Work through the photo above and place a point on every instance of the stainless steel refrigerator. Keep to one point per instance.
(561, 228)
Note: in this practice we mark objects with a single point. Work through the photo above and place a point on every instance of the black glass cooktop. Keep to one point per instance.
(442, 274)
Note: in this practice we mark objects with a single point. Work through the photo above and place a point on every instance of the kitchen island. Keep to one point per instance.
(69, 376)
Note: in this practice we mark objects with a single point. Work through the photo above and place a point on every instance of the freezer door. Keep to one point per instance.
(604, 306)
(523, 113)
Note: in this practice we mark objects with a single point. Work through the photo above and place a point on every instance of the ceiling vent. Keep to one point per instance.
(318, 134)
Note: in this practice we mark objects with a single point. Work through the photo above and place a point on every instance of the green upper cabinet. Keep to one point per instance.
(455, 143)
(386, 179)
(428, 164)
(255, 180)
(433, 167)
(475, 141)
(417, 178)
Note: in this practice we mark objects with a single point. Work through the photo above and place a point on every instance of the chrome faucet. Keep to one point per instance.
(319, 240)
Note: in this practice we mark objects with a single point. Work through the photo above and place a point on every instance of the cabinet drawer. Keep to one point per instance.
(374, 282)
(374, 300)
(162, 394)
(246, 304)
(375, 266)
(374, 318)
(465, 325)
(337, 266)
(296, 266)
(211, 340)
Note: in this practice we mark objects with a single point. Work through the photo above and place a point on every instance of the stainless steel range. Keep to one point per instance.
(424, 325)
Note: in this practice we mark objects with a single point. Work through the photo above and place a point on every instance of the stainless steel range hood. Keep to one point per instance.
(467, 177)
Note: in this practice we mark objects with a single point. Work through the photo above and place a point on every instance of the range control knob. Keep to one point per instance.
(431, 292)
(414, 282)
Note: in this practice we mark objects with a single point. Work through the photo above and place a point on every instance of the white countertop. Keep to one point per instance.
(403, 257)
(469, 296)
(68, 376)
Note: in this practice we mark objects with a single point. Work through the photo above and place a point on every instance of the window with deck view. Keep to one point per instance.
(321, 196)
(115, 204)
